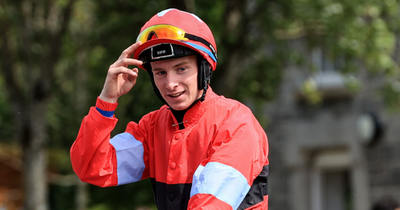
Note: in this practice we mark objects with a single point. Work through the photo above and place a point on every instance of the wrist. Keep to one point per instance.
(107, 99)
(105, 105)
(105, 108)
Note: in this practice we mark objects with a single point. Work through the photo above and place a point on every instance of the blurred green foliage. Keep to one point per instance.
(253, 48)
(6, 125)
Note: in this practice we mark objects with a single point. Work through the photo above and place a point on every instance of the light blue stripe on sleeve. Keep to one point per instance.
(130, 163)
(223, 181)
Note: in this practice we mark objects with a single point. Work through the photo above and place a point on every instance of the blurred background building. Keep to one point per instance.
(341, 154)
(334, 143)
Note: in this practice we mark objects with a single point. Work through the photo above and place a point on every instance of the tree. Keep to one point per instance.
(362, 34)
(31, 41)
(54, 57)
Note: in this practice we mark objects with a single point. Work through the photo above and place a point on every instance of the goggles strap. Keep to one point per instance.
(199, 39)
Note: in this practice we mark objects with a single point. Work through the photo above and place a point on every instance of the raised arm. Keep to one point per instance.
(95, 157)
(120, 79)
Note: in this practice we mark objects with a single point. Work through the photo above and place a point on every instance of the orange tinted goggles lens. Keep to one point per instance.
(161, 32)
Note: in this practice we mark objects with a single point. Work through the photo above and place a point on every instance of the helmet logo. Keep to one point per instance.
(161, 52)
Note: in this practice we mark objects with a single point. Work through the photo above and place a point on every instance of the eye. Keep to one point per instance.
(160, 73)
(181, 69)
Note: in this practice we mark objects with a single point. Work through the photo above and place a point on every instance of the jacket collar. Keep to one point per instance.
(194, 113)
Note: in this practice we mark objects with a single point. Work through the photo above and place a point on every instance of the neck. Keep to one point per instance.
(179, 114)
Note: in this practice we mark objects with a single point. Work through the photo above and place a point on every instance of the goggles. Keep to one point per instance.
(171, 32)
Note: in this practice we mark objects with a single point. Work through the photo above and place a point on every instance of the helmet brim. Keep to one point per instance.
(154, 42)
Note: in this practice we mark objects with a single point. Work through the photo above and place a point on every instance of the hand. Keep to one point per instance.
(120, 79)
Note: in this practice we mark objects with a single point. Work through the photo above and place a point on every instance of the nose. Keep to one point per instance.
(171, 81)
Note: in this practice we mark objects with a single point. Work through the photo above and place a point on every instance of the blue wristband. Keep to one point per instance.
(106, 113)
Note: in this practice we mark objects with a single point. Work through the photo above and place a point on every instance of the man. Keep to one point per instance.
(201, 150)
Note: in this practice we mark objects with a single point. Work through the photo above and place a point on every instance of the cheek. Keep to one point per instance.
(158, 83)
(193, 82)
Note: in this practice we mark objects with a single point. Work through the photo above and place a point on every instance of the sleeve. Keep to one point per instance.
(238, 154)
(103, 161)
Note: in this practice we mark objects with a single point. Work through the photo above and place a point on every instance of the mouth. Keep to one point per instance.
(175, 95)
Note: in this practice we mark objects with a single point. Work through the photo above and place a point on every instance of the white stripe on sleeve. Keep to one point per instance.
(223, 181)
(130, 163)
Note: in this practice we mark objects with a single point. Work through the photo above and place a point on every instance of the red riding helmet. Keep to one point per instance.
(171, 27)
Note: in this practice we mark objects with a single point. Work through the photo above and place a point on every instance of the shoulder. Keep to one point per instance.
(221, 102)
(157, 113)
(232, 106)
(230, 113)
(150, 119)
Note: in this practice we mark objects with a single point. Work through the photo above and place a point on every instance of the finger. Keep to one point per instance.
(128, 52)
(126, 61)
(136, 70)
(122, 70)
(132, 78)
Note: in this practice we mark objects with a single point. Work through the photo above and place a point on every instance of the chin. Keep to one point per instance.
(179, 107)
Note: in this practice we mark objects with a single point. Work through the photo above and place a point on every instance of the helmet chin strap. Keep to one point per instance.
(203, 79)
(204, 76)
